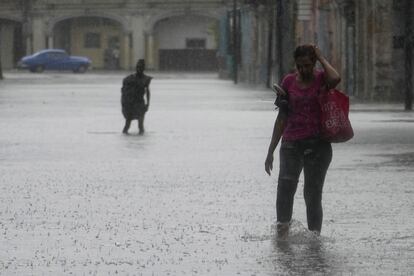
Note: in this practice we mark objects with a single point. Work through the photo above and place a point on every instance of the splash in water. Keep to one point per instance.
(295, 232)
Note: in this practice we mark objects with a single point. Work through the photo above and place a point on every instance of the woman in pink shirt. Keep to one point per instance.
(301, 148)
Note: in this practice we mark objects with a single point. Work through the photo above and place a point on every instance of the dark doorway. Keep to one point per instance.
(112, 53)
(188, 60)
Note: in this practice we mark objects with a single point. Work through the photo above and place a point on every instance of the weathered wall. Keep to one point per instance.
(173, 32)
(364, 40)
(78, 33)
(375, 74)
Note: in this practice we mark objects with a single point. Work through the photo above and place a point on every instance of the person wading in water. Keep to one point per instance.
(302, 148)
(134, 87)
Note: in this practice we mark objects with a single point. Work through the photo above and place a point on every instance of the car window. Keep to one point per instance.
(56, 56)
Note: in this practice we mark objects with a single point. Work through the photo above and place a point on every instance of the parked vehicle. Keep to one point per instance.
(54, 59)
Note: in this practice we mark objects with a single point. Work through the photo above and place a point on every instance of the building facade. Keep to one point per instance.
(369, 42)
(170, 35)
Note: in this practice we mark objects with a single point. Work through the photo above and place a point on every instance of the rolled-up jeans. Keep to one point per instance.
(314, 157)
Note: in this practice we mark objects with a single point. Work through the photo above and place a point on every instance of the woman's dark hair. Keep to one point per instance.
(305, 51)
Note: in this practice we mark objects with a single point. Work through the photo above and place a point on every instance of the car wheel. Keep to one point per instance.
(39, 69)
(81, 69)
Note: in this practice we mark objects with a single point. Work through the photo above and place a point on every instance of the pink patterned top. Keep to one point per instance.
(303, 119)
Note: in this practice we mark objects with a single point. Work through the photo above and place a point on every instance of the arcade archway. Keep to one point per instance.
(101, 39)
(186, 43)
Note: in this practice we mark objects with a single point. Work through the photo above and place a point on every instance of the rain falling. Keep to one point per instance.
(231, 91)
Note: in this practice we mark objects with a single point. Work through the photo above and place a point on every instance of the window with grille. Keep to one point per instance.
(92, 40)
(195, 43)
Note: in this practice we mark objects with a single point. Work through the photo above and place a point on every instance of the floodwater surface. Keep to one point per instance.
(190, 197)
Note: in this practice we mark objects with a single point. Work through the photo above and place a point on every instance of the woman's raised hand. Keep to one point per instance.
(318, 52)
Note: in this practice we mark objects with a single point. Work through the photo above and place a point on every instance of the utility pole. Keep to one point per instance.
(1, 70)
(235, 43)
(271, 17)
(279, 37)
(408, 49)
(26, 6)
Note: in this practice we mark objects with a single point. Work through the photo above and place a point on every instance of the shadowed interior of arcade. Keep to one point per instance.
(185, 43)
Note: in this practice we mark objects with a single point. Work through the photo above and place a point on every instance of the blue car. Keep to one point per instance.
(54, 59)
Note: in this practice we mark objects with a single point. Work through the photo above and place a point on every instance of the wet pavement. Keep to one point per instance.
(190, 197)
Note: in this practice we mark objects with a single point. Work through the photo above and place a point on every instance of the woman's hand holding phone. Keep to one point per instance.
(279, 90)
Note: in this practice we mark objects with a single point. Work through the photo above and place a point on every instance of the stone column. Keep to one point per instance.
(383, 50)
(348, 12)
(305, 19)
(138, 38)
(364, 21)
(126, 58)
(27, 37)
(286, 32)
(150, 59)
(50, 41)
(29, 45)
(39, 34)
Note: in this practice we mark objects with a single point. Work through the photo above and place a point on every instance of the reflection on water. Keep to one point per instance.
(302, 252)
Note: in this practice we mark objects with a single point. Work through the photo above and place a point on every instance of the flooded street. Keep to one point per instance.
(191, 196)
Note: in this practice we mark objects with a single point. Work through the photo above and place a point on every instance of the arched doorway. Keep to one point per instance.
(186, 43)
(11, 42)
(101, 39)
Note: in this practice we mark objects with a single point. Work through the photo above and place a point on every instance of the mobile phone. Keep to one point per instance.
(278, 89)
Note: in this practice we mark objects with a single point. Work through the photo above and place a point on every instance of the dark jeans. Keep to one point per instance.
(314, 157)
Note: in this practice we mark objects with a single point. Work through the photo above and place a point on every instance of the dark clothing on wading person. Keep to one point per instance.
(301, 149)
(134, 88)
